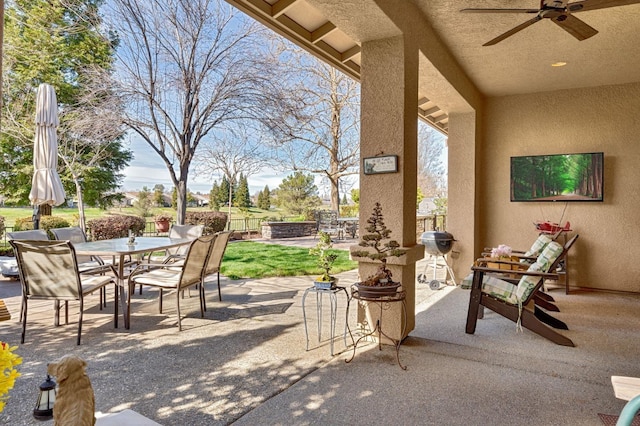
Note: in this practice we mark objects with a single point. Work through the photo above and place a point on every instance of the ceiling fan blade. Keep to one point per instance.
(574, 26)
(513, 31)
(472, 10)
(585, 5)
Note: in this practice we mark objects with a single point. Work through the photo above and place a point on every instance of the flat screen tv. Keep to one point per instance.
(558, 177)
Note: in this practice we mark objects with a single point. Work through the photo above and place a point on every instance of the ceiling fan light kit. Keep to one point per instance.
(559, 12)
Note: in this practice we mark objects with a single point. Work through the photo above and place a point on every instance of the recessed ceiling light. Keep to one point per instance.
(559, 64)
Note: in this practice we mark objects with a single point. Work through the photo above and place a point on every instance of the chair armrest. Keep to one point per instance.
(145, 267)
(484, 269)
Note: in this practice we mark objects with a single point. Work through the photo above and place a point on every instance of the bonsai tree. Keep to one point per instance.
(325, 258)
(378, 239)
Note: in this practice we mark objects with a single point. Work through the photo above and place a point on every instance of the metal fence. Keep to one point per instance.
(253, 224)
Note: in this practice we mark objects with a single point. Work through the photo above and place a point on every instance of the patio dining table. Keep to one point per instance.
(119, 249)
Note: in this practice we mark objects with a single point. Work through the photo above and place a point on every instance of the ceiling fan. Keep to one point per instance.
(560, 12)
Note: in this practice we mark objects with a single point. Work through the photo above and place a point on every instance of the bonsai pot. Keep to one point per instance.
(326, 285)
(374, 291)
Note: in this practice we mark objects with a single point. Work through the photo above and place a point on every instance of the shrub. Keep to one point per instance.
(351, 210)
(213, 221)
(46, 223)
(116, 226)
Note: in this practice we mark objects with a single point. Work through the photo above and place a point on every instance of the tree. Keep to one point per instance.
(297, 194)
(224, 192)
(242, 197)
(188, 68)
(325, 138)
(264, 198)
(432, 175)
(158, 195)
(174, 198)
(72, 55)
(144, 202)
(232, 153)
(214, 200)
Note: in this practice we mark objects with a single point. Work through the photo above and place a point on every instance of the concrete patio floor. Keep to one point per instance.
(245, 362)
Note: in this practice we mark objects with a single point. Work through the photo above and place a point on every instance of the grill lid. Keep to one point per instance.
(436, 236)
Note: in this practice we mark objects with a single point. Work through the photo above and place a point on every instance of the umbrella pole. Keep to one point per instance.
(36, 217)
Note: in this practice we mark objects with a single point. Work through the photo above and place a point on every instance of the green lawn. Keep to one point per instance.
(248, 259)
(10, 214)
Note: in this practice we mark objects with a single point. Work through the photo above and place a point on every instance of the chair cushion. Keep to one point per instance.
(549, 255)
(528, 283)
(165, 278)
(499, 289)
(91, 283)
(538, 245)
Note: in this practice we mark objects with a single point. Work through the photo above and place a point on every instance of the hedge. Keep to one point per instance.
(116, 226)
(46, 222)
(213, 221)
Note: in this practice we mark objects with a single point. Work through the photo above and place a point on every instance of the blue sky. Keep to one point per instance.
(147, 169)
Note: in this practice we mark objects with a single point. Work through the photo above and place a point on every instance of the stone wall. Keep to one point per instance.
(273, 230)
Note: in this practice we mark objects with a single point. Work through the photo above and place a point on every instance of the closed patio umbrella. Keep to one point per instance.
(46, 187)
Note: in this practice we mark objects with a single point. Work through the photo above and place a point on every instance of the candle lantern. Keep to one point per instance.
(46, 398)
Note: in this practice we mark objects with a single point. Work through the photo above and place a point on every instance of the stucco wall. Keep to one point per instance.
(607, 254)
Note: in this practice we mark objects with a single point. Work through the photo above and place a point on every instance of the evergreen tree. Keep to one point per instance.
(158, 195)
(297, 193)
(174, 198)
(71, 51)
(214, 197)
(344, 200)
(264, 199)
(223, 193)
(242, 197)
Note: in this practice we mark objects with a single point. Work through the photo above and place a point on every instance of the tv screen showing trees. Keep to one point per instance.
(559, 177)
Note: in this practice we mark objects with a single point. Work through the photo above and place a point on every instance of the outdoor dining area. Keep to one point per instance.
(245, 360)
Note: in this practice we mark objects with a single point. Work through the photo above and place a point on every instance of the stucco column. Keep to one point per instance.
(389, 94)
(462, 212)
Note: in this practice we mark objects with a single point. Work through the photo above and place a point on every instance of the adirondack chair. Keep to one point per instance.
(515, 301)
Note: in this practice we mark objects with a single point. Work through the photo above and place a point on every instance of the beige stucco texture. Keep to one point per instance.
(607, 254)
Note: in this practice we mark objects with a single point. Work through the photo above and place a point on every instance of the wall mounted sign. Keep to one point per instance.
(382, 164)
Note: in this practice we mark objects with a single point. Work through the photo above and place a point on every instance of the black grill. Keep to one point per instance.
(437, 243)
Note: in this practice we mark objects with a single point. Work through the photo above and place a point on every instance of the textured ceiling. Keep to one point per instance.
(522, 62)
(335, 29)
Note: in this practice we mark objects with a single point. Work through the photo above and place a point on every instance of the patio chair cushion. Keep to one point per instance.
(511, 293)
(499, 289)
(537, 247)
(164, 277)
(528, 283)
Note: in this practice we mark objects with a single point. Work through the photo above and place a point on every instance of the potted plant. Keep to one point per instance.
(163, 221)
(325, 261)
(378, 239)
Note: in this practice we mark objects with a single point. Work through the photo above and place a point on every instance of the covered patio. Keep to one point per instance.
(245, 362)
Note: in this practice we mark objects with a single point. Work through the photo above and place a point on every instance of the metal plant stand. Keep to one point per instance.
(384, 303)
(332, 292)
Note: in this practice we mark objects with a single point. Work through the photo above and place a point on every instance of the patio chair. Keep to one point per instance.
(49, 270)
(175, 256)
(86, 264)
(215, 261)
(182, 231)
(10, 267)
(525, 259)
(179, 279)
(515, 301)
(327, 221)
